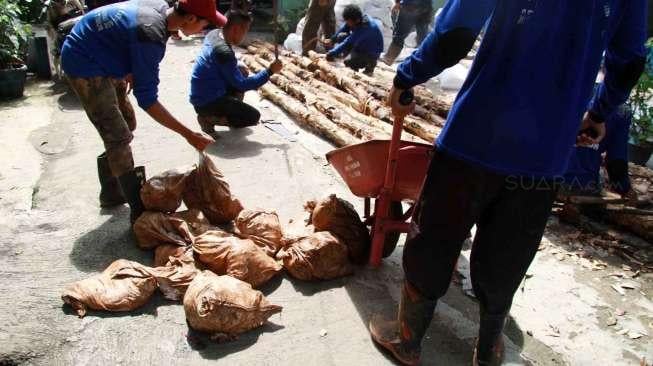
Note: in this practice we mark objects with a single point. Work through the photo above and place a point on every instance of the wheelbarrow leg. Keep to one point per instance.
(381, 208)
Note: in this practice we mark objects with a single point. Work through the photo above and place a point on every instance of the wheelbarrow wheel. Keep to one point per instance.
(391, 239)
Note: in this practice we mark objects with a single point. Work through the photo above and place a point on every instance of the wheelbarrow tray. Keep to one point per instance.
(362, 167)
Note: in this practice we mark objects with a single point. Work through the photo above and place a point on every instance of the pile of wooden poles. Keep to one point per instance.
(343, 106)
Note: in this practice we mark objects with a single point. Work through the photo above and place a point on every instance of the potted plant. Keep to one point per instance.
(640, 145)
(13, 39)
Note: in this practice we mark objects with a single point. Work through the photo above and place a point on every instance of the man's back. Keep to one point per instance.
(521, 105)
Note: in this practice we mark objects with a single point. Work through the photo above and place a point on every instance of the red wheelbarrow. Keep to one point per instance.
(390, 172)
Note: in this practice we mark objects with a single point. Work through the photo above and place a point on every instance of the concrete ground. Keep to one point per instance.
(53, 233)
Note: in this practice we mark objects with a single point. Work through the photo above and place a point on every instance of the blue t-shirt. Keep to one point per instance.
(117, 40)
(366, 38)
(520, 107)
(216, 72)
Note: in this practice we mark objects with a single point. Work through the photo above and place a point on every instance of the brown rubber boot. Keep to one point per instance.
(391, 54)
(489, 345)
(495, 358)
(403, 336)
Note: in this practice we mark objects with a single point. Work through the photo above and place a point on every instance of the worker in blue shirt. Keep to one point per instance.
(360, 37)
(410, 15)
(111, 49)
(218, 83)
(510, 132)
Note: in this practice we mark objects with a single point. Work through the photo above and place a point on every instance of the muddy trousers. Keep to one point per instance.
(107, 106)
(319, 13)
(510, 214)
(238, 113)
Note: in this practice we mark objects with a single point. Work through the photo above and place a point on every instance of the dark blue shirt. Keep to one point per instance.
(366, 38)
(117, 40)
(216, 72)
(520, 107)
(583, 173)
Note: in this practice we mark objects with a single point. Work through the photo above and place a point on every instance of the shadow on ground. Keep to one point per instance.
(233, 143)
(112, 240)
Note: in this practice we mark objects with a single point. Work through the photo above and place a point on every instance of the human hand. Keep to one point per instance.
(199, 140)
(395, 8)
(590, 132)
(243, 70)
(399, 110)
(275, 66)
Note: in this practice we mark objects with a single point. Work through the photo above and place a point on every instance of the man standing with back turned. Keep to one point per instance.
(510, 131)
(117, 45)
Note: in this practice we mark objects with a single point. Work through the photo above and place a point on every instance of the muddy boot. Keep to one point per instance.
(403, 336)
(391, 54)
(131, 183)
(110, 191)
(489, 348)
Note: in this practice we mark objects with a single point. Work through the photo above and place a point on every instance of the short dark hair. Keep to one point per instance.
(352, 12)
(236, 17)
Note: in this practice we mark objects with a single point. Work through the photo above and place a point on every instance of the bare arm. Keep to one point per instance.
(160, 114)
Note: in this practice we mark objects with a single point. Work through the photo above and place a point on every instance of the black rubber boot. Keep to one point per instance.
(131, 183)
(110, 191)
(403, 336)
(489, 349)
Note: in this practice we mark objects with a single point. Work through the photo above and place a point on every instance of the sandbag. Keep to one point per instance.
(340, 218)
(263, 228)
(173, 278)
(223, 304)
(162, 253)
(163, 192)
(208, 191)
(123, 286)
(319, 256)
(224, 253)
(156, 228)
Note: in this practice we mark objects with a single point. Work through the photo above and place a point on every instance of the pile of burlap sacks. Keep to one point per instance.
(215, 254)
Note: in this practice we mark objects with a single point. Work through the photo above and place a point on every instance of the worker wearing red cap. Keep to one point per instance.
(113, 48)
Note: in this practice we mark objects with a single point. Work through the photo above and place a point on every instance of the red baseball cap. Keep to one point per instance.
(204, 9)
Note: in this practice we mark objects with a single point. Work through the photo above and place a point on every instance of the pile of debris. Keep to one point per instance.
(343, 106)
(215, 255)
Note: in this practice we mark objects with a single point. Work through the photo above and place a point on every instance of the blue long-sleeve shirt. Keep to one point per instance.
(520, 107)
(366, 38)
(583, 172)
(216, 72)
(117, 40)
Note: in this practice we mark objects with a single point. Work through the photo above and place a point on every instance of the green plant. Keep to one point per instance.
(13, 35)
(31, 11)
(641, 129)
(287, 22)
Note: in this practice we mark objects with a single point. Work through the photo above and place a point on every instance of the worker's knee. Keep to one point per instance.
(454, 46)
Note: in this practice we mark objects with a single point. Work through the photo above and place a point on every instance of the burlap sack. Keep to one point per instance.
(163, 253)
(163, 192)
(208, 191)
(156, 228)
(224, 253)
(262, 227)
(173, 278)
(123, 286)
(223, 304)
(319, 256)
(340, 218)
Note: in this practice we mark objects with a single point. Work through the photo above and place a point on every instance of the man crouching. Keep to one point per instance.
(218, 83)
